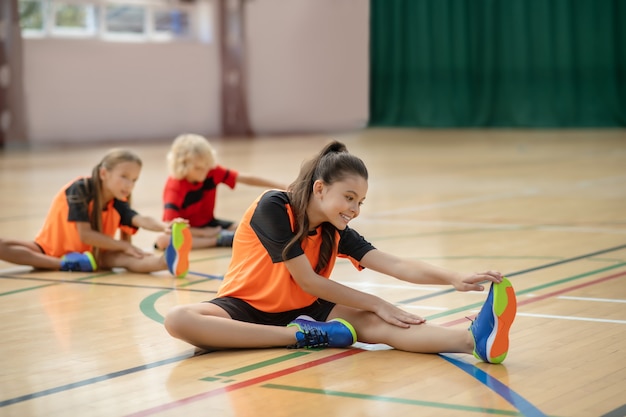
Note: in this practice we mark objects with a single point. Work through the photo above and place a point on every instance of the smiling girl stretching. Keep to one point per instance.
(277, 290)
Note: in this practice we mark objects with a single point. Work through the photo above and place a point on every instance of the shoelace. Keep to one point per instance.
(313, 338)
(72, 266)
(471, 321)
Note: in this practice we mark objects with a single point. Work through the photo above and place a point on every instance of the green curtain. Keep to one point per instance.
(498, 63)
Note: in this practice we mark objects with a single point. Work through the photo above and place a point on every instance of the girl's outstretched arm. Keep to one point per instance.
(319, 286)
(259, 182)
(149, 223)
(100, 240)
(420, 272)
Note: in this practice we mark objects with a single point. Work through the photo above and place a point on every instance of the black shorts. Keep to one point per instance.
(241, 311)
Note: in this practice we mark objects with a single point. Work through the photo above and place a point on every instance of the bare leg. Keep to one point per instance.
(206, 325)
(203, 242)
(27, 253)
(202, 238)
(423, 338)
(116, 259)
(162, 241)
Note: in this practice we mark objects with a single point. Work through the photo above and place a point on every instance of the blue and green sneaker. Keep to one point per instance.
(76, 261)
(490, 329)
(336, 333)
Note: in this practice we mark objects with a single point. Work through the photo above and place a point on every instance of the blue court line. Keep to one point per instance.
(618, 412)
(183, 357)
(523, 271)
(397, 400)
(516, 400)
(93, 380)
(209, 276)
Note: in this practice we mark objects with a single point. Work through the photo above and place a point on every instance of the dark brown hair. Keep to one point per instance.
(334, 163)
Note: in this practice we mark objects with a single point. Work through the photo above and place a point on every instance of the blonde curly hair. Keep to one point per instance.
(185, 150)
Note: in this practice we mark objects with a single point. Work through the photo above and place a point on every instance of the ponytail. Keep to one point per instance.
(332, 164)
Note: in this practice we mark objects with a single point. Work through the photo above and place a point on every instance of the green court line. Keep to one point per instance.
(529, 290)
(263, 364)
(605, 259)
(396, 400)
(147, 305)
(27, 289)
(210, 379)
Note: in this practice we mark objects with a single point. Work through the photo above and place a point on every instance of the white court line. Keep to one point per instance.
(551, 316)
(582, 229)
(404, 306)
(603, 300)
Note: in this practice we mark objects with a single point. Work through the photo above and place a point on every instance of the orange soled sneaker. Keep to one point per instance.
(490, 329)
(177, 252)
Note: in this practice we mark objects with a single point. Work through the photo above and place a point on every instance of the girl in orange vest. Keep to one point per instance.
(84, 217)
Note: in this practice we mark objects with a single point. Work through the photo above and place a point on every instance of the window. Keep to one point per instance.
(172, 22)
(73, 19)
(31, 15)
(138, 20)
(124, 20)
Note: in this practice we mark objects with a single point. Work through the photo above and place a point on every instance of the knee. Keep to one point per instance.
(370, 328)
(174, 320)
(4, 248)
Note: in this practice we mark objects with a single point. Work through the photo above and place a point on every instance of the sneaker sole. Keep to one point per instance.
(92, 261)
(504, 310)
(181, 241)
(349, 326)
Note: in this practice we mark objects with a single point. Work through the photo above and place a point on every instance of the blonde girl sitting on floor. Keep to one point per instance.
(191, 191)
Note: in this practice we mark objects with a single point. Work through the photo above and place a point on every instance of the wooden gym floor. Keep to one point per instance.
(548, 208)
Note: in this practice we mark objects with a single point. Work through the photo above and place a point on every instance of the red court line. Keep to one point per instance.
(341, 355)
(247, 383)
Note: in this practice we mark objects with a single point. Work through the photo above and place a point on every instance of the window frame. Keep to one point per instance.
(96, 21)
